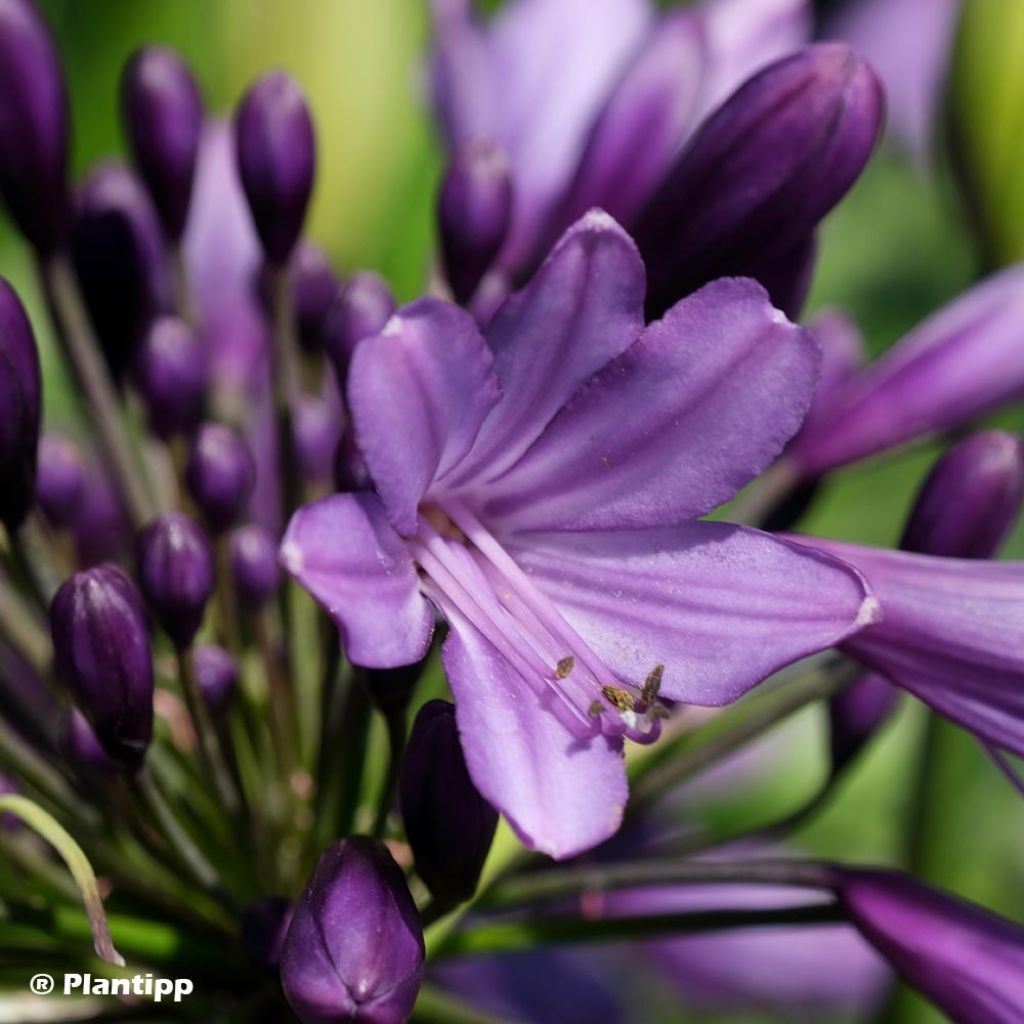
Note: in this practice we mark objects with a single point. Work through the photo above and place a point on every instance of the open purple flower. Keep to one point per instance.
(541, 490)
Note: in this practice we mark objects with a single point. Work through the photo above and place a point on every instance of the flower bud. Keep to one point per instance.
(473, 213)
(102, 653)
(220, 474)
(968, 961)
(163, 117)
(254, 564)
(264, 927)
(314, 288)
(217, 676)
(20, 407)
(317, 434)
(33, 126)
(276, 152)
(82, 749)
(448, 824)
(744, 196)
(170, 374)
(970, 500)
(361, 308)
(174, 564)
(60, 480)
(101, 528)
(120, 260)
(856, 714)
(354, 950)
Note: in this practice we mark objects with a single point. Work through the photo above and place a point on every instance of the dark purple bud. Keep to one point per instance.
(856, 714)
(314, 288)
(120, 260)
(33, 126)
(60, 480)
(317, 434)
(174, 564)
(217, 676)
(264, 927)
(163, 117)
(968, 961)
(220, 474)
(102, 653)
(82, 749)
(473, 213)
(101, 528)
(970, 500)
(21, 392)
(747, 191)
(276, 152)
(361, 309)
(254, 564)
(354, 950)
(170, 375)
(448, 824)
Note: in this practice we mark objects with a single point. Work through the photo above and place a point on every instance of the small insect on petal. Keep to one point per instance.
(564, 667)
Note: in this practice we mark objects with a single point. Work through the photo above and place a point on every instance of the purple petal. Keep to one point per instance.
(343, 551)
(418, 393)
(583, 308)
(950, 633)
(643, 124)
(702, 403)
(562, 795)
(960, 363)
(720, 606)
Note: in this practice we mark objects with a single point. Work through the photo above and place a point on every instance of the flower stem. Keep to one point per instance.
(20, 628)
(284, 384)
(394, 719)
(82, 352)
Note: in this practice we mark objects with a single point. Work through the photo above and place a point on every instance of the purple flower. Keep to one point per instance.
(217, 676)
(959, 364)
(354, 950)
(318, 425)
(541, 490)
(361, 308)
(220, 474)
(968, 961)
(254, 564)
(82, 749)
(60, 480)
(612, 74)
(170, 374)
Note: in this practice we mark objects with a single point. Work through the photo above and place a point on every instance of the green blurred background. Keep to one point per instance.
(897, 248)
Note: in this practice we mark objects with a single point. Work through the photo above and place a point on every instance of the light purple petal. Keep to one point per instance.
(562, 795)
(343, 551)
(418, 393)
(702, 403)
(583, 308)
(952, 633)
(539, 73)
(720, 606)
(908, 43)
(960, 363)
(644, 123)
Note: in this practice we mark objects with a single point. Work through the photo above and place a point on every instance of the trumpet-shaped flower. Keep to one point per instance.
(541, 491)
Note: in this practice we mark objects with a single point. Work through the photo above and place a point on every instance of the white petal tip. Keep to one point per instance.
(597, 220)
(870, 612)
(290, 557)
(392, 327)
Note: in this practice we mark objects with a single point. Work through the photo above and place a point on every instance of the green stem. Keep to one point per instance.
(20, 628)
(78, 864)
(394, 719)
(434, 1006)
(352, 744)
(510, 936)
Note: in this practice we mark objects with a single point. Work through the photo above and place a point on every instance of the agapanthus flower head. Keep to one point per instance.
(60, 480)
(82, 749)
(957, 365)
(120, 260)
(33, 126)
(360, 309)
(968, 961)
(254, 564)
(276, 152)
(170, 375)
(21, 396)
(473, 213)
(354, 949)
(102, 653)
(175, 570)
(449, 826)
(217, 676)
(163, 117)
(541, 490)
(220, 474)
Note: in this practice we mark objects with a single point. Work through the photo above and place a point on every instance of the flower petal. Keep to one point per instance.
(720, 606)
(562, 795)
(344, 552)
(583, 308)
(418, 393)
(702, 403)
